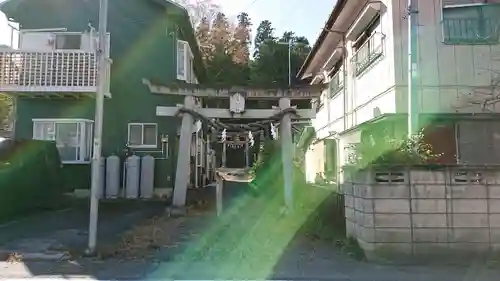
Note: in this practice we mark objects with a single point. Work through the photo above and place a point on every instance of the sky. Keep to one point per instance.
(305, 18)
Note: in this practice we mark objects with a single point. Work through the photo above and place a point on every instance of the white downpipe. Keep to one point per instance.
(196, 152)
(345, 78)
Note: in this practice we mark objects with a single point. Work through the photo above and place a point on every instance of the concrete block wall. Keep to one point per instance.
(413, 213)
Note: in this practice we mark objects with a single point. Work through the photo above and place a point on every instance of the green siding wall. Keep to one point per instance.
(27, 109)
(142, 46)
(74, 176)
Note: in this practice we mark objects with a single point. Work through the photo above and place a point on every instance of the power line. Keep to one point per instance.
(251, 4)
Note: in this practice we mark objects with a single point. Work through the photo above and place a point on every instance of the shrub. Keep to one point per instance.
(268, 169)
(30, 178)
(391, 151)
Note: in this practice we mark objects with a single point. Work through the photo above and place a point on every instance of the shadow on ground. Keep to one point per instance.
(253, 239)
(256, 239)
(37, 243)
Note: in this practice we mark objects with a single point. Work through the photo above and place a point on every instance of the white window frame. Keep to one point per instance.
(184, 46)
(84, 154)
(142, 145)
(338, 75)
(188, 75)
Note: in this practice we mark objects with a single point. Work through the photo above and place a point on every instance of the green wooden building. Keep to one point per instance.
(52, 74)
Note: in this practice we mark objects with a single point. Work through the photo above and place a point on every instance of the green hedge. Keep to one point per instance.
(29, 178)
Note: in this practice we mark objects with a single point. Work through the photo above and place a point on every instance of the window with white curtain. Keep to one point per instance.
(73, 137)
(181, 59)
(185, 59)
(142, 135)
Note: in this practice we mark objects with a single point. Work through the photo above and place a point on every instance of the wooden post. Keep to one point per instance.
(207, 160)
(247, 155)
(224, 151)
(286, 152)
(184, 156)
(218, 192)
(196, 162)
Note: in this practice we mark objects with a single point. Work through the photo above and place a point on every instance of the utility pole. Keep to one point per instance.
(413, 106)
(290, 63)
(99, 108)
(289, 43)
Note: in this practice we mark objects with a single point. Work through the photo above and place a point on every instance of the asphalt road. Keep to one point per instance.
(219, 251)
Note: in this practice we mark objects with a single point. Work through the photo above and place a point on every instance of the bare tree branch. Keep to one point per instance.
(487, 97)
(199, 10)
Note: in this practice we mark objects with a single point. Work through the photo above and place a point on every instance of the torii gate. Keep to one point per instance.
(237, 109)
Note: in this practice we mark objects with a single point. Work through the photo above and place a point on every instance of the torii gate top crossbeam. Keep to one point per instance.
(305, 92)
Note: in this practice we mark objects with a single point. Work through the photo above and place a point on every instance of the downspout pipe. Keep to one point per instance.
(345, 76)
(413, 106)
(335, 136)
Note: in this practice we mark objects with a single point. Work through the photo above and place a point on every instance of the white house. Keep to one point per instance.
(8, 32)
(362, 53)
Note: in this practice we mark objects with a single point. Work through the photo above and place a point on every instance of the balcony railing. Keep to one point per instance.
(471, 31)
(370, 51)
(57, 71)
(336, 84)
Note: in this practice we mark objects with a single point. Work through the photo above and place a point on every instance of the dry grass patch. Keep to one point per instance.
(145, 239)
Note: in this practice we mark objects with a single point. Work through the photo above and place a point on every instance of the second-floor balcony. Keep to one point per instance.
(471, 31)
(368, 52)
(54, 71)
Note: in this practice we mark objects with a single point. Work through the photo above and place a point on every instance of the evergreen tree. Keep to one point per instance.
(225, 48)
(265, 32)
(270, 67)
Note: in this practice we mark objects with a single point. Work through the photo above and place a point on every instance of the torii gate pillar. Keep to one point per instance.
(184, 156)
(285, 133)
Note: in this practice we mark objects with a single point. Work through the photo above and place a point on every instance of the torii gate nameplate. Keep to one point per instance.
(304, 92)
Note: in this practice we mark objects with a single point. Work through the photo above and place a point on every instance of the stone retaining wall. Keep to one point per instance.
(415, 213)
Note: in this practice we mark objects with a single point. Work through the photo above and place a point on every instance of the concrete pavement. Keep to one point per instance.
(208, 271)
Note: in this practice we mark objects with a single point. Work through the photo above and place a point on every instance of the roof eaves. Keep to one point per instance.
(175, 4)
(170, 2)
(324, 33)
(200, 68)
